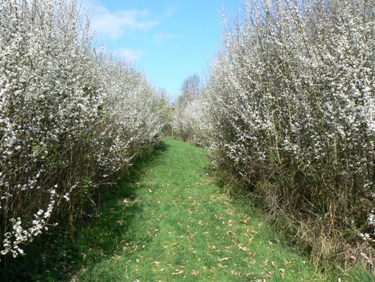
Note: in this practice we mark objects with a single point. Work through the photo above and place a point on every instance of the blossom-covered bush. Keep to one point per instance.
(70, 118)
(291, 108)
(189, 121)
(189, 117)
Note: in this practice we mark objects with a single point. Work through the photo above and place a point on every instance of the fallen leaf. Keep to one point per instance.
(273, 263)
(219, 265)
(120, 222)
(156, 263)
(126, 201)
(243, 248)
(116, 257)
(195, 272)
(213, 247)
(178, 272)
(253, 262)
(192, 235)
(250, 241)
(282, 272)
(269, 274)
(223, 259)
(236, 273)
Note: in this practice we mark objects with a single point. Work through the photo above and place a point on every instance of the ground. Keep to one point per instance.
(174, 222)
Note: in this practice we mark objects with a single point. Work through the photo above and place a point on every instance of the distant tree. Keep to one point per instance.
(189, 112)
(190, 89)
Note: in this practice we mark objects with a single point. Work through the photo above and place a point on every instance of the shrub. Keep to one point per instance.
(71, 118)
(291, 106)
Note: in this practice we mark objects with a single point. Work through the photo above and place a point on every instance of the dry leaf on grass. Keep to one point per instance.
(192, 235)
(269, 274)
(116, 257)
(195, 272)
(212, 247)
(156, 263)
(120, 222)
(223, 259)
(235, 273)
(219, 265)
(178, 272)
(243, 248)
(126, 201)
(282, 272)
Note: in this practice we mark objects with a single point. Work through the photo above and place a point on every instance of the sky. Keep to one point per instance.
(168, 40)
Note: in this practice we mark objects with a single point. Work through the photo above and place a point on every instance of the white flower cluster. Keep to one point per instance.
(70, 117)
(369, 236)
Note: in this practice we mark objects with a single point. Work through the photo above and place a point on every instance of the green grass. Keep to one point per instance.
(173, 222)
(169, 221)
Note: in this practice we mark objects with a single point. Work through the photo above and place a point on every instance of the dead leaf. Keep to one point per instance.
(175, 244)
(253, 262)
(250, 241)
(243, 248)
(156, 263)
(219, 265)
(235, 273)
(192, 235)
(245, 221)
(195, 272)
(282, 272)
(116, 257)
(126, 201)
(178, 272)
(223, 259)
(120, 222)
(273, 263)
(213, 247)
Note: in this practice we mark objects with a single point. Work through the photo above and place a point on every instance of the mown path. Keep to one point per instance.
(176, 224)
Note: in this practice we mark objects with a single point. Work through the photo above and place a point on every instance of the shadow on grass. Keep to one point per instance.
(59, 253)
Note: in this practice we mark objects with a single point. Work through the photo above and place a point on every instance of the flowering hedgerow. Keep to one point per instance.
(70, 117)
(291, 102)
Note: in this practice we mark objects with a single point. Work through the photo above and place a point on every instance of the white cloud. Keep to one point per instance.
(128, 55)
(161, 37)
(115, 24)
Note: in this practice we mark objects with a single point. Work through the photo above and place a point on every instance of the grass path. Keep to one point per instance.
(173, 223)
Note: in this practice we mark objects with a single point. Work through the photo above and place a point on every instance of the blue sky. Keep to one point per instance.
(168, 40)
